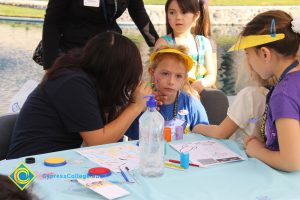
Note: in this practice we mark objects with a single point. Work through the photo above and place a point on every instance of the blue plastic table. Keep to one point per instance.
(249, 179)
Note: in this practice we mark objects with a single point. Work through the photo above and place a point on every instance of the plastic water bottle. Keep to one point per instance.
(151, 141)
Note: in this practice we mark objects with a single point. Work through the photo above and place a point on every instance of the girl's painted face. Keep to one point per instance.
(169, 76)
(180, 22)
(256, 62)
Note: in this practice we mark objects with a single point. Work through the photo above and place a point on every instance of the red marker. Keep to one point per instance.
(190, 164)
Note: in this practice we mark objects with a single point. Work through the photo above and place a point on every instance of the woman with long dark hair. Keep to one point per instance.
(90, 95)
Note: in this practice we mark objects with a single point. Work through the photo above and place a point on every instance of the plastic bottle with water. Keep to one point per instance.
(151, 141)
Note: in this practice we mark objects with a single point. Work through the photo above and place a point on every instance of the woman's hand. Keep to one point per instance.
(253, 145)
(139, 94)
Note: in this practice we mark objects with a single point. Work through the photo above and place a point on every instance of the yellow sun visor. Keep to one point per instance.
(189, 59)
(255, 40)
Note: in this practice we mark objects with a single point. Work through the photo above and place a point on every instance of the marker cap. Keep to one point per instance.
(30, 160)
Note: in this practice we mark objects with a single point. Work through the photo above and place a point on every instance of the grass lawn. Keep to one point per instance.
(238, 2)
(15, 11)
(6, 10)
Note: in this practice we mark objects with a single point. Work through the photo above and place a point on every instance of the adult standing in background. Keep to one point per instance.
(70, 23)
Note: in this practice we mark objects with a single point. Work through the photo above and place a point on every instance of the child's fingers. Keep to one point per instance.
(159, 98)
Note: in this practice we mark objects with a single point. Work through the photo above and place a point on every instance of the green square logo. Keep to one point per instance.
(22, 176)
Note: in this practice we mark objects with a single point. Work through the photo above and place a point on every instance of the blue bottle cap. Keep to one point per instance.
(151, 102)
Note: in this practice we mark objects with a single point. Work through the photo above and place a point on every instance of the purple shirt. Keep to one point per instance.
(284, 103)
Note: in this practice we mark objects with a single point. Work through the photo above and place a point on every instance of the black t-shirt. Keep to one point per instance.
(69, 24)
(52, 117)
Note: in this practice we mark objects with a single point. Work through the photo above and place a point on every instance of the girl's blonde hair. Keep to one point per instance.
(260, 81)
(186, 86)
(247, 76)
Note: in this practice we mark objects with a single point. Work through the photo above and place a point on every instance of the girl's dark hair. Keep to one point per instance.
(10, 191)
(260, 25)
(192, 6)
(113, 62)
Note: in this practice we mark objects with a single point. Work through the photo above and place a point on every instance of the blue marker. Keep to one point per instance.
(117, 182)
(124, 175)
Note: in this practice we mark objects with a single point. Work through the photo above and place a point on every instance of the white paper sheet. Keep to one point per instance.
(113, 157)
(20, 97)
(104, 188)
(207, 152)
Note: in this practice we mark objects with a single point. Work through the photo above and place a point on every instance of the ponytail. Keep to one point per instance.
(203, 23)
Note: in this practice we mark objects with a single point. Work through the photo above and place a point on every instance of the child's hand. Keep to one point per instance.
(253, 145)
(159, 98)
(140, 92)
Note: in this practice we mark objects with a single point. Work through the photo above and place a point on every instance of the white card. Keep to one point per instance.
(104, 187)
(207, 152)
(92, 3)
(20, 97)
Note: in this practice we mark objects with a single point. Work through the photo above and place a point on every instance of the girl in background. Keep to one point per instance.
(204, 28)
(185, 22)
(271, 41)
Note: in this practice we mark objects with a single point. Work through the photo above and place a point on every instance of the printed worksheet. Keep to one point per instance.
(104, 188)
(114, 157)
(207, 152)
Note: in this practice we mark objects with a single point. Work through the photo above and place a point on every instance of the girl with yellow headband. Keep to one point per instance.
(271, 42)
(168, 71)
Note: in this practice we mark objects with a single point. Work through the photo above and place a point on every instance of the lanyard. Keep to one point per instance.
(175, 108)
(289, 68)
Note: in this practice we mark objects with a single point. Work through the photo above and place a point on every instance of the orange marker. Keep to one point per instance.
(167, 134)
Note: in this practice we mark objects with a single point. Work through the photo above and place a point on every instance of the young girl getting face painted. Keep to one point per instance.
(168, 70)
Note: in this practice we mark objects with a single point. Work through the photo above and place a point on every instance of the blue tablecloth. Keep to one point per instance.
(243, 180)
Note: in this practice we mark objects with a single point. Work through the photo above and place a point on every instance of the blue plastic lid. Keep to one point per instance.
(151, 102)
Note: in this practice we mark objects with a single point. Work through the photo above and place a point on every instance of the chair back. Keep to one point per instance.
(216, 104)
(7, 123)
